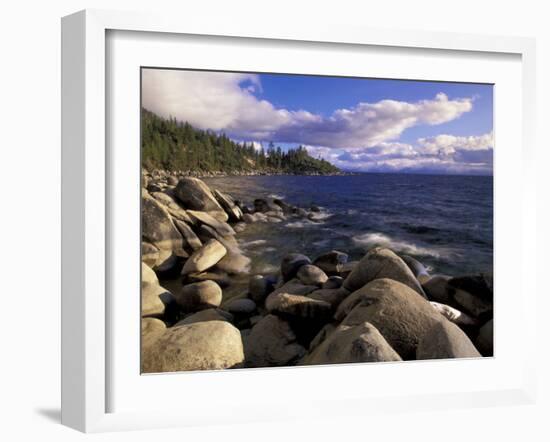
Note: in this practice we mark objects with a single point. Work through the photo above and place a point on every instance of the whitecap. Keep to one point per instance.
(276, 196)
(368, 240)
(255, 243)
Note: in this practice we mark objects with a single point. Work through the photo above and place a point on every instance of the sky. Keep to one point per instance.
(358, 124)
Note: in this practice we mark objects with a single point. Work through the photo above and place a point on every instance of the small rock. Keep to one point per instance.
(194, 194)
(199, 296)
(243, 306)
(333, 296)
(291, 263)
(331, 262)
(311, 275)
(437, 289)
(232, 210)
(221, 227)
(234, 263)
(187, 233)
(333, 282)
(154, 298)
(219, 277)
(258, 288)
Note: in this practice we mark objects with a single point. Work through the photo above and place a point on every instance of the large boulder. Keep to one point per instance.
(151, 330)
(221, 227)
(194, 194)
(208, 345)
(400, 314)
(272, 343)
(232, 210)
(210, 314)
(158, 229)
(202, 259)
(445, 340)
(199, 296)
(381, 263)
(311, 275)
(154, 298)
(331, 262)
(484, 341)
(348, 344)
(291, 263)
(298, 306)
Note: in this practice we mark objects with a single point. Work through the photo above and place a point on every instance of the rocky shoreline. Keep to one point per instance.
(161, 174)
(325, 310)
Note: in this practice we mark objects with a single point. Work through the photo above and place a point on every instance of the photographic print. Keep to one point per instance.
(302, 220)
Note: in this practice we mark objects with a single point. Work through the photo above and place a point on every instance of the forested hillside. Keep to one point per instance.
(171, 145)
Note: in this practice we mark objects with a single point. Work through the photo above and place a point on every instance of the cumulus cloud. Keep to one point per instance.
(441, 154)
(228, 102)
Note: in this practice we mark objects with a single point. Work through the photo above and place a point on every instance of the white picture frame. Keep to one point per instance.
(86, 316)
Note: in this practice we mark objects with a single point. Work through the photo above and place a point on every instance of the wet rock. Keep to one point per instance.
(381, 263)
(234, 263)
(311, 275)
(454, 315)
(243, 306)
(331, 262)
(418, 269)
(484, 341)
(399, 313)
(209, 345)
(333, 282)
(259, 287)
(199, 296)
(239, 227)
(349, 344)
(437, 289)
(291, 263)
(272, 343)
(445, 340)
(232, 210)
(205, 257)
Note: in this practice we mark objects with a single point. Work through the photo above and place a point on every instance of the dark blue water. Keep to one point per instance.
(446, 222)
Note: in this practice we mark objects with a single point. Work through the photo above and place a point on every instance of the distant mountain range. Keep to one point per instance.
(175, 146)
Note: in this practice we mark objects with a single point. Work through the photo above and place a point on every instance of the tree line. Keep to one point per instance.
(173, 145)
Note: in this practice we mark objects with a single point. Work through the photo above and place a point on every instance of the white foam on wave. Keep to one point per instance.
(368, 240)
(276, 196)
(255, 243)
(299, 224)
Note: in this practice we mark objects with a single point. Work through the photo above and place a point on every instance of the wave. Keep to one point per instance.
(255, 243)
(276, 196)
(369, 240)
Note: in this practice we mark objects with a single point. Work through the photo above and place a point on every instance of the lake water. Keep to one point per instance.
(446, 222)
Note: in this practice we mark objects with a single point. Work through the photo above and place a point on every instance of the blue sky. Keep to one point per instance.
(358, 124)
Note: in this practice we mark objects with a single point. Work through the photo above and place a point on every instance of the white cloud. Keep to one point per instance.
(450, 144)
(227, 101)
